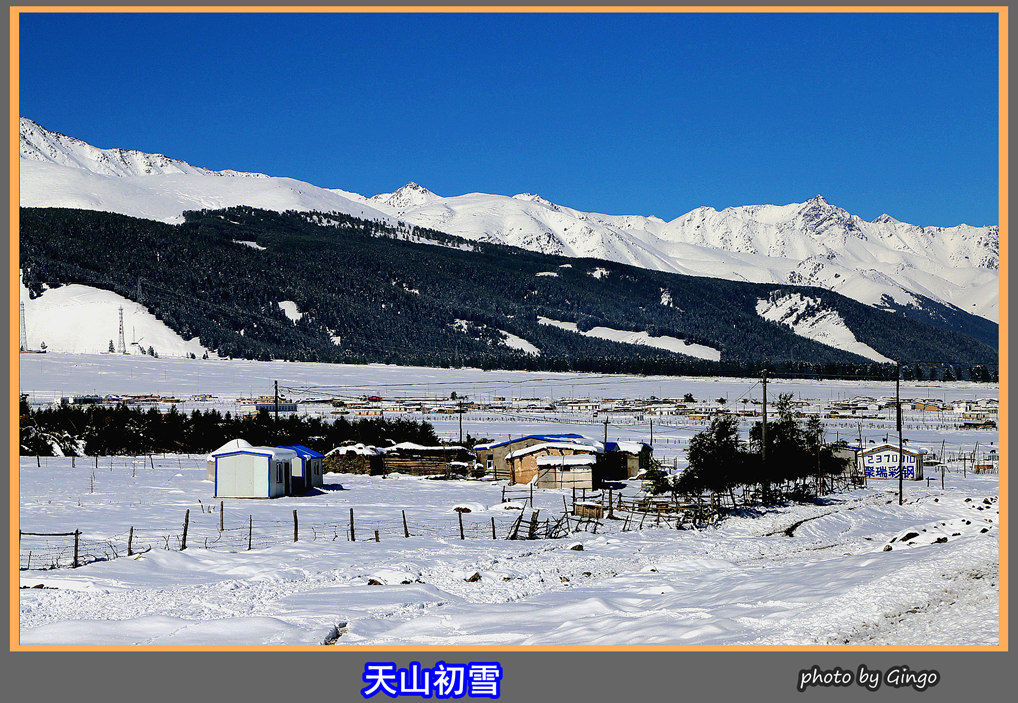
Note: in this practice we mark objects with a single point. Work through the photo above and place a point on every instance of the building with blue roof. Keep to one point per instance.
(305, 469)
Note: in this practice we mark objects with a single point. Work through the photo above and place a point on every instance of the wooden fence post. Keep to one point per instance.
(533, 524)
(353, 536)
(130, 541)
(376, 536)
(531, 494)
(406, 531)
(493, 527)
(515, 528)
(183, 540)
(295, 525)
(37, 462)
(220, 516)
(250, 529)
(461, 524)
(74, 564)
(72, 461)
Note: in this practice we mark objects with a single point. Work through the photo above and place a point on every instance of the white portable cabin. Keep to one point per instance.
(252, 472)
(305, 469)
(210, 462)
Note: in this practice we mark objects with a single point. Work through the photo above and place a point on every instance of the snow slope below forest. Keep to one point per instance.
(81, 319)
(807, 319)
(672, 344)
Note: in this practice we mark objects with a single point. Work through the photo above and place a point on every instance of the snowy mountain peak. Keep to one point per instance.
(60, 171)
(39, 144)
(409, 196)
(886, 219)
(534, 198)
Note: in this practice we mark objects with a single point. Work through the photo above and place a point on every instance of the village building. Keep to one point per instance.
(252, 472)
(627, 459)
(546, 460)
(880, 461)
(493, 456)
(565, 471)
(305, 470)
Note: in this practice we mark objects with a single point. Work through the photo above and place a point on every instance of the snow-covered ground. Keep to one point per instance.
(742, 582)
(832, 580)
(82, 319)
(672, 344)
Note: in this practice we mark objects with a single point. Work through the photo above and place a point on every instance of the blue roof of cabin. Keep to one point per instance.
(302, 451)
(542, 437)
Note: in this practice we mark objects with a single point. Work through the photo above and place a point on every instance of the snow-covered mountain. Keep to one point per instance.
(61, 171)
(877, 262)
(811, 243)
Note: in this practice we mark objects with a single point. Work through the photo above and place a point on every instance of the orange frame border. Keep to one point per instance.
(15, 484)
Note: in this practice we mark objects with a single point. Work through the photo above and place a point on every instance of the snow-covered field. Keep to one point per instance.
(745, 581)
(60, 374)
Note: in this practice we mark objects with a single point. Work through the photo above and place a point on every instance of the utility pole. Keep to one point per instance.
(276, 386)
(897, 405)
(460, 408)
(763, 434)
(859, 455)
(23, 333)
(606, 431)
(652, 433)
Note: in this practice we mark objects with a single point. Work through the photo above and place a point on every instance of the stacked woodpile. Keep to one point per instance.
(426, 461)
(352, 462)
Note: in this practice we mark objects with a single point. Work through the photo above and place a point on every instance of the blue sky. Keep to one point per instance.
(623, 114)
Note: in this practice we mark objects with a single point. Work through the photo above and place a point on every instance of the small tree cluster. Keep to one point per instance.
(795, 454)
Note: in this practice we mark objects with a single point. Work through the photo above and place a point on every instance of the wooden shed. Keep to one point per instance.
(567, 471)
(252, 472)
(627, 459)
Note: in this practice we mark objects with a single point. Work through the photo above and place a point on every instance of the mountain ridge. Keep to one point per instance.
(882, 262)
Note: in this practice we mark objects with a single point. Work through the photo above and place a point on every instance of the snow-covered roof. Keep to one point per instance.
(590, 446)
(360, 449)
(630, 447)
(565, 437)
(884, 446)
(231, 446)
(275, 452)
(420, 447)
(571, 460)
(302, 451)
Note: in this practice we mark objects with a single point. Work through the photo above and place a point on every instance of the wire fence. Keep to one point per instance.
(55, 550)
